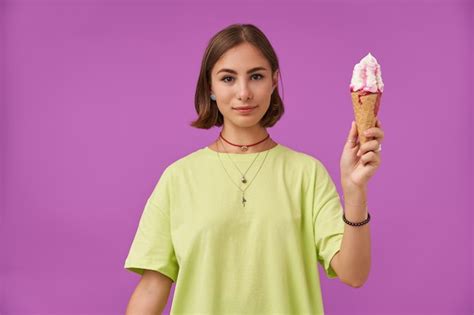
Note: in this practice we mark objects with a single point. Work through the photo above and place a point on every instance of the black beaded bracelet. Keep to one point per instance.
(356, 224)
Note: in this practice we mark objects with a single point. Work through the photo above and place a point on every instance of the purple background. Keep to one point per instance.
(96, 100)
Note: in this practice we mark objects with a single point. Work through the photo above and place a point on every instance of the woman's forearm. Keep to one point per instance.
(355, 247)
(151, 294)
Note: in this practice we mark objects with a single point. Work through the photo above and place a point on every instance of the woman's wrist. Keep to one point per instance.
(356, 197)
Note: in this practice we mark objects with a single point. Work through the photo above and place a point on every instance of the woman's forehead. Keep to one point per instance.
(244, 58)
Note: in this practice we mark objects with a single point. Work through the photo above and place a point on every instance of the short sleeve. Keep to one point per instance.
(327, 219)
(152, 247)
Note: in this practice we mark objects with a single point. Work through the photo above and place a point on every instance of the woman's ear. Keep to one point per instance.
(275, 79)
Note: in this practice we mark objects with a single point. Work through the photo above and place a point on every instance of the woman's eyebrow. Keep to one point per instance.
(235, 72)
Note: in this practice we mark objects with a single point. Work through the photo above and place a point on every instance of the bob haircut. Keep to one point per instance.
(231, 36)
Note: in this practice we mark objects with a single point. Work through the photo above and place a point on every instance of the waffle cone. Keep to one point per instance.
(366, 106)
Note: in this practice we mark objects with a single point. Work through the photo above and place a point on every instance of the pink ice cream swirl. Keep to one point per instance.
(367, 76)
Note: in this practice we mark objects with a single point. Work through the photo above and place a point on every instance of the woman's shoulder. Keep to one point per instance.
(301, 156)
(187, 159)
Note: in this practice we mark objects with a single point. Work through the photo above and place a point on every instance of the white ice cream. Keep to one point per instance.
(367, 75)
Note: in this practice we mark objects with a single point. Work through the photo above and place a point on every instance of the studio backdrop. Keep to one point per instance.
(97, 96)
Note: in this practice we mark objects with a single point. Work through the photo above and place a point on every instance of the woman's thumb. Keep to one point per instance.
(353, 133)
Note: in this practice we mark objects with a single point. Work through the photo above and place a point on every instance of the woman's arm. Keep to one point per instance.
(150, 295)
(354, 258)
(359, 162)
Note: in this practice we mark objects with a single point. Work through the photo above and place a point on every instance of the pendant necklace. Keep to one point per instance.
(243, 179)
(243, 148)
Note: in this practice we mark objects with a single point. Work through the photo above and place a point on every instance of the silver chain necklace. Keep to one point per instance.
(243, 179)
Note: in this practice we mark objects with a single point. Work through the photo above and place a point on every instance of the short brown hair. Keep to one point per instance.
(231, 36)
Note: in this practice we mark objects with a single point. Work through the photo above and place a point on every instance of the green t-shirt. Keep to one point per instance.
(229, 259)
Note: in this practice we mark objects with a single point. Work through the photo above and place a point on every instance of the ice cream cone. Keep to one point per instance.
(366, 106)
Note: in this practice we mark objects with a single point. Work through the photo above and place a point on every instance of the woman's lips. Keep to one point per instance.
(245, 111)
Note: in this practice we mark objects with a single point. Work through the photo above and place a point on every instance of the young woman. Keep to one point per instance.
(240, 224)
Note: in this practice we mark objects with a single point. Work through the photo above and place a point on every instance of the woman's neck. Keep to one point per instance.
(223, 147)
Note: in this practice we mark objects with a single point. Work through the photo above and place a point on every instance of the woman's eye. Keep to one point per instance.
(224, 79)
(257, 74)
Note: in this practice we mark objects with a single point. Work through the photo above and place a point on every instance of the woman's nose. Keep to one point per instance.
(244, 91)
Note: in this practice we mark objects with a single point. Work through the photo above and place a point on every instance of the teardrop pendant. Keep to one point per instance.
(243, 200)
(244, 180)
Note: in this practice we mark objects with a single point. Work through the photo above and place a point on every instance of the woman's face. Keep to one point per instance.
(242, 77)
